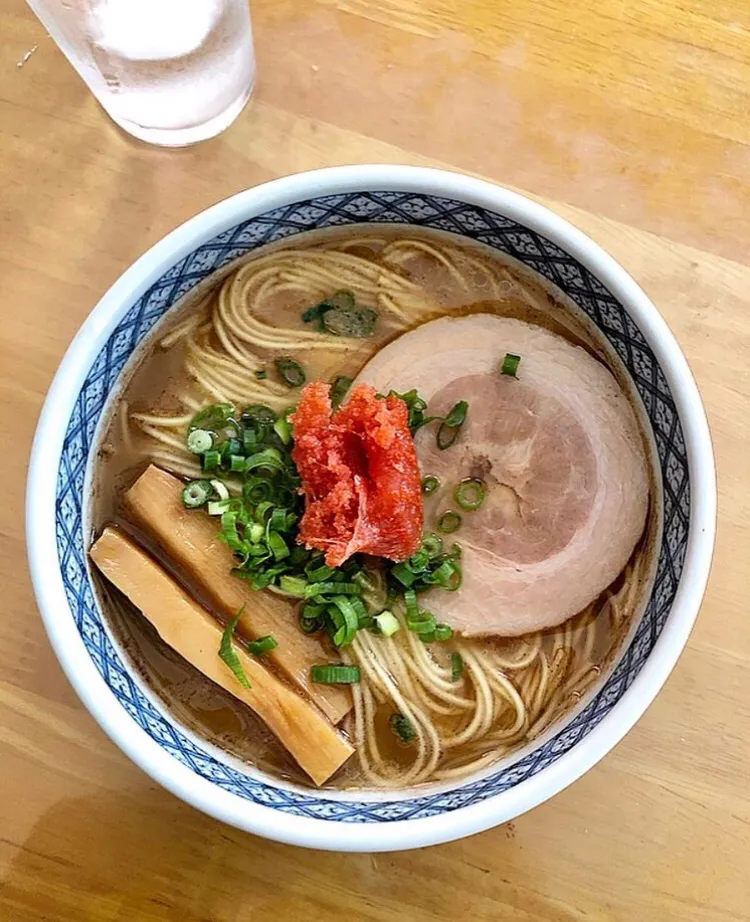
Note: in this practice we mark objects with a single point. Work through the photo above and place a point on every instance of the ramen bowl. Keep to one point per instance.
(64, 456)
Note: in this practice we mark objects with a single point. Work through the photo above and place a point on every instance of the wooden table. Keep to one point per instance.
(631, 119)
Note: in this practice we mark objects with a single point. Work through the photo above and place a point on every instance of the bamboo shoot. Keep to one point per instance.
(191, 539)
(190, 630)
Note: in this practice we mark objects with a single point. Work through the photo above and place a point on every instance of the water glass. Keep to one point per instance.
(170, 72)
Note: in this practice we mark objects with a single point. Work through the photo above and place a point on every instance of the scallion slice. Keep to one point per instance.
(282, 427)
(410, 600)
(470, 493)
(424, 624)
(211, 460)
(346, 633)
(433, 544)
(430, 483)
(448, 522)
(387, 622)
(457, 666)
(220, 489)
(319, 574)
(290, 372)
(229, 655)
(443, 632)
(262, 645)
(261, 374)
(448, 576)
(214, 417)
(402, 727)
(199, 441)
(457, 414)
(510, 365)
(258, 414)
(334, 674)
(293, 586)
(277, 545)
(339, 389)
(324, 588)
(196, 494)
(404, 574)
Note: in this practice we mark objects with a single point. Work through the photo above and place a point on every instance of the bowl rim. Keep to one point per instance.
(41, 493)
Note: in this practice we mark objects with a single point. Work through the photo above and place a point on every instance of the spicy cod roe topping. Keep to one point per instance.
(360, 475)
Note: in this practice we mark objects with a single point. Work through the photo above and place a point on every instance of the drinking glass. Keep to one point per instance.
(170, 72)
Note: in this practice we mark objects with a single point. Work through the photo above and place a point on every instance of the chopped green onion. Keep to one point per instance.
(213, 418)
(470, 493)
(447, 435)
(255, 490)
(262, 645)
(218, 507)
(211, 460)
(196, 493)
(290, 372)
(293, 585)
(448, 576)
(387, 623)
(262, 511)
(457, 666)
(282, 427)
(433, 544)
(338, 390)
(199, 441)
(316, 589)
(229, 654)
(268, 458)
(320, 574)
(311, 617)
(403, 573)
(261, 374)
(510, 365)
(410, 600)
(277, 545)
(309, 625)
(449, 521)
(457, 414)
(230, 447)
(256, 532)
(330, 674)
(419, 562)
(229, 527)
(220, 489)
(238, 464)
(443, 632)
(277, 520)
(430, 484)
(424, 624)
(258, 414)
(416, 407)
(402, 727)
(346, 633)
(451, 425)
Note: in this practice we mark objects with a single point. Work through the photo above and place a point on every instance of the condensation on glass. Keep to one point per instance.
(170, 72)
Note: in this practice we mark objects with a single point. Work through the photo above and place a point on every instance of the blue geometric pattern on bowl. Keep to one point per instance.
(382, 207)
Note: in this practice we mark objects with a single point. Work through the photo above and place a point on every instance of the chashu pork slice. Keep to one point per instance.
(560, 453)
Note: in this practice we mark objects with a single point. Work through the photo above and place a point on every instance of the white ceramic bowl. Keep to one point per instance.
(60, 468)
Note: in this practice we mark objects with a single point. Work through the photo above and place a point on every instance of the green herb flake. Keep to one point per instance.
(229, 655)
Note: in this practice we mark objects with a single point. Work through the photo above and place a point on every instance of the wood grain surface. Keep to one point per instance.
(632, 120)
